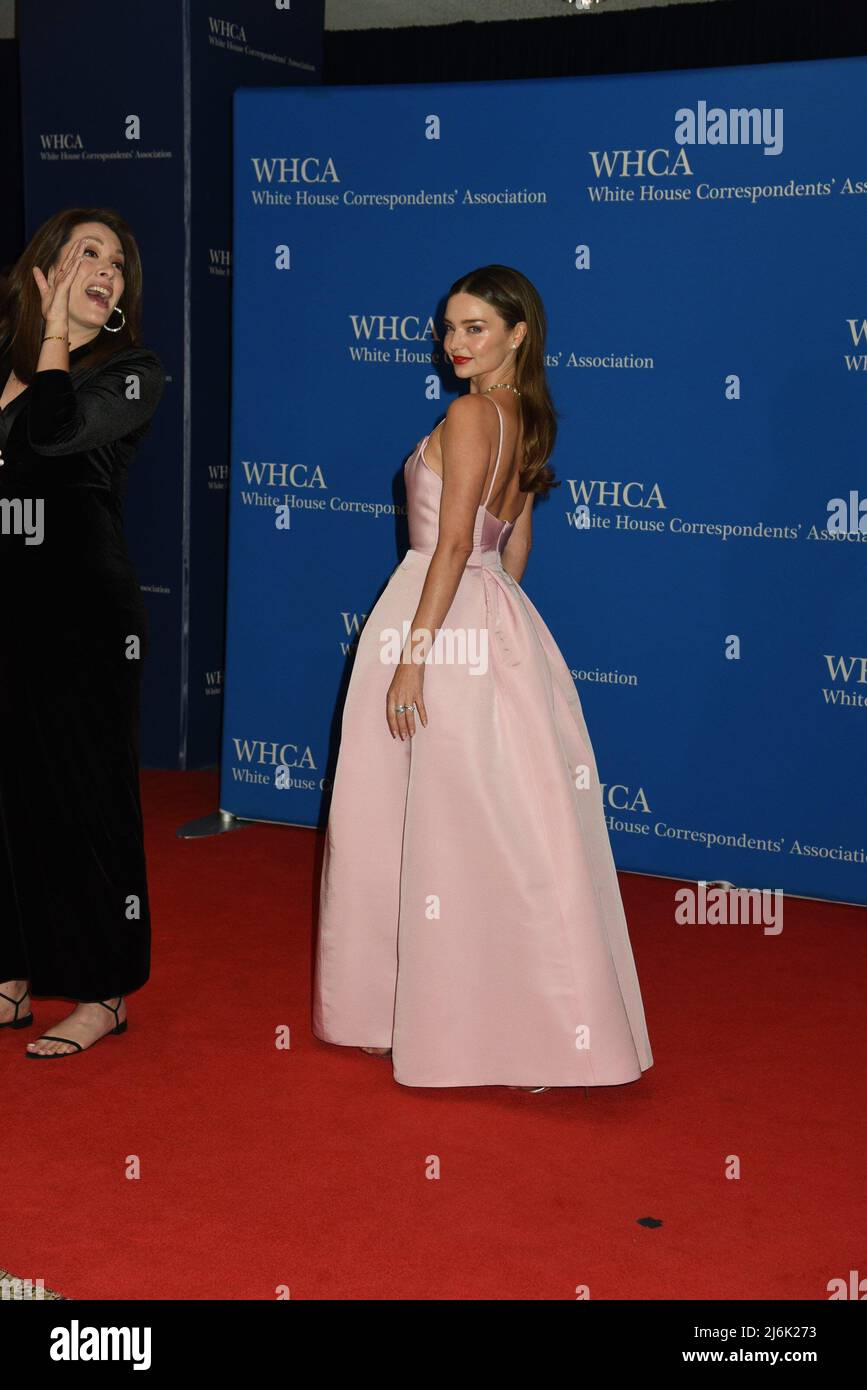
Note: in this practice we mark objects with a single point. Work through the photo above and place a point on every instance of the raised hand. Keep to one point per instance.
(54, 291)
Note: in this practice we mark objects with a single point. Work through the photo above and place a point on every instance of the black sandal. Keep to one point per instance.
(17, 1022)
(52, 1037)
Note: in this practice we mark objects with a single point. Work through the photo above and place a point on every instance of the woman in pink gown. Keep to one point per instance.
(471, 925)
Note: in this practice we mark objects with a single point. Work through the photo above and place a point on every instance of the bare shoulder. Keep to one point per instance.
(470, 417)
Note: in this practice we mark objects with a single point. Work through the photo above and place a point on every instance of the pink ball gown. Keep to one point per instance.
(470, 915)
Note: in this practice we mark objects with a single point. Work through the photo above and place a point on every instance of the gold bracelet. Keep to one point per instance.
(62, 336)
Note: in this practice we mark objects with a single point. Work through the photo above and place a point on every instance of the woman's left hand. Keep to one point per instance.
(406, 689)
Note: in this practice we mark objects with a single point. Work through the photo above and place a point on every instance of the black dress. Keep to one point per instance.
(74, 909)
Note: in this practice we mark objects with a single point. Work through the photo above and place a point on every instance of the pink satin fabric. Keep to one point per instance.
(470, 914)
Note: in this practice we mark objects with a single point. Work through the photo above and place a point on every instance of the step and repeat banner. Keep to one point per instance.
(698, 241)
(136, 115)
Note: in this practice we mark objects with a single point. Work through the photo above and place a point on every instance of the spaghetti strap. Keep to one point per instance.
(499, 451)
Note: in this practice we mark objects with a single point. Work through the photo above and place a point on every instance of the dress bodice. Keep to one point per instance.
(423, 491)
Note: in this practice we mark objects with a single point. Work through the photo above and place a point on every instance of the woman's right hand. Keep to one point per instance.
(54, 291)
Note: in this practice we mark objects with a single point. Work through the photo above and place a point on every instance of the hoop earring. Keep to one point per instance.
(120, 325)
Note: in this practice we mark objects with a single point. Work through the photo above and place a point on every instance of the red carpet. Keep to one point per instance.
(306, 1168)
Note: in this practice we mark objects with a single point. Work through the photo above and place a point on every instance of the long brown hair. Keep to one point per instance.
(515, 298)
(20, 306)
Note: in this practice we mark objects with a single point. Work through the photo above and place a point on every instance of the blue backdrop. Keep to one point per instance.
(707, 353)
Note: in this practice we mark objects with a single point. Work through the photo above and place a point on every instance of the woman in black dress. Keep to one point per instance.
(77, 392)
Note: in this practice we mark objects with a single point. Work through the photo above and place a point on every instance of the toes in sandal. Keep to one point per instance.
(52, 1037)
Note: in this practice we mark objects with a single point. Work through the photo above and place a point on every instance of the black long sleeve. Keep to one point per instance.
(116, 402)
